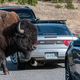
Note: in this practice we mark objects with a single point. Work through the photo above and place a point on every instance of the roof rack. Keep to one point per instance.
(52, 21)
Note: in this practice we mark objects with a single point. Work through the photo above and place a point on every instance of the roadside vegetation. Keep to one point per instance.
(58, 6)
(68, 5)
(22, 2)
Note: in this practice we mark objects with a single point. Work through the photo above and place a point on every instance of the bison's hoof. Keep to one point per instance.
(6, 73)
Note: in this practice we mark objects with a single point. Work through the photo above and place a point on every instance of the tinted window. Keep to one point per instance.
(53, 30)
(23, 13)
(76, 43)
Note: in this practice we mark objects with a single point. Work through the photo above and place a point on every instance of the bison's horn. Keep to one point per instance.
(19, 28)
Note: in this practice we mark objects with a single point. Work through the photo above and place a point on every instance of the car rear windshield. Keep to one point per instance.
(23, 13)
(53, 30)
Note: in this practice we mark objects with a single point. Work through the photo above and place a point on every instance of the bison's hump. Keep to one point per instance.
(7, 19)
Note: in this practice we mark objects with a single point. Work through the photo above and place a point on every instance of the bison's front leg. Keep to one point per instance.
(4, 67)
(3, 62)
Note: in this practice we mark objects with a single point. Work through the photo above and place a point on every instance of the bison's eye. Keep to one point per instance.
(21, 27)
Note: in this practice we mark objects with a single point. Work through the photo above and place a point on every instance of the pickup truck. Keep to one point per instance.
(24, 12)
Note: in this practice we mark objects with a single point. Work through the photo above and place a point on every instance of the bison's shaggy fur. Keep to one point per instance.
(11, 40)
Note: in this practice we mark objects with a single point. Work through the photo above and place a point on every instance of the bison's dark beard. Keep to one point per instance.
(22, 43)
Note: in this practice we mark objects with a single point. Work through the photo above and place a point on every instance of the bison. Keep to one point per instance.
(15, 35)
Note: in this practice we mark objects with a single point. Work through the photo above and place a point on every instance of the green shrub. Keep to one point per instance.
(68, 1)
(10, 0)
(57, 1)
(32, 2)
(2, 1)
(58, 6)
(69, 4)
(54, 1)
(22, 1)
(61, 1)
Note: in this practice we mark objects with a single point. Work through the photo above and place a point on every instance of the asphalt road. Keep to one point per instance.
(47, 72)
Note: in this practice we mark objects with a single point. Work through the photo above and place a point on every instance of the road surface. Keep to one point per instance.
(47, 72)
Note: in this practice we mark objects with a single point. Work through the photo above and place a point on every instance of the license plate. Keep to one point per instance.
(50, 55)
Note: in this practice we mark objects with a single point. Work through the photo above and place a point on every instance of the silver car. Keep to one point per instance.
(53, 40)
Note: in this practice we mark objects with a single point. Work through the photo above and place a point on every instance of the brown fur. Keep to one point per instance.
(7, 19)
(11, 40)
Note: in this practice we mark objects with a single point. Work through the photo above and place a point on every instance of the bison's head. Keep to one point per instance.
(27, 35)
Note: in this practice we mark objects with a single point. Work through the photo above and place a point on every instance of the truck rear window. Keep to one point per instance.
(53, 30)
(23, 13)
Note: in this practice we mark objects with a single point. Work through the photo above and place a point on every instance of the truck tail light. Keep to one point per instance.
(67, 42)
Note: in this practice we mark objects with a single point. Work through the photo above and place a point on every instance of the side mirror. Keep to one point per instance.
(37, 19)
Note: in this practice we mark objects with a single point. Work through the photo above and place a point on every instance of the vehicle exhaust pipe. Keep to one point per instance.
(33, 62)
